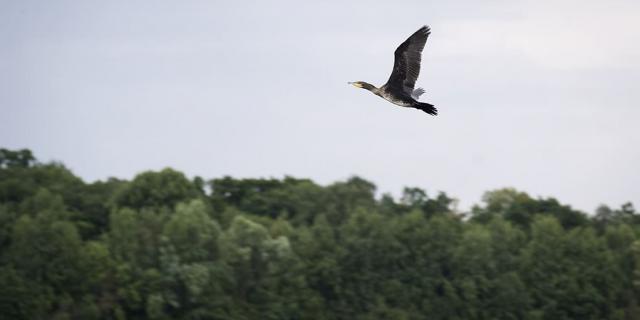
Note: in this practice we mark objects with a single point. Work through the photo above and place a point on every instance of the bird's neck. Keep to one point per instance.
(369, 87)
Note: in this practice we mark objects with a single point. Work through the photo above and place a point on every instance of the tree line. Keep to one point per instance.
(164, 246)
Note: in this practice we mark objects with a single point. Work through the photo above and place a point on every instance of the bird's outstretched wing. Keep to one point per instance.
(406, 67)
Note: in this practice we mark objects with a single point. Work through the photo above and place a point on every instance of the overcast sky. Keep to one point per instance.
(537, 95)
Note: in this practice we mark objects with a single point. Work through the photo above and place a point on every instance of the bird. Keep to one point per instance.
(399, 89)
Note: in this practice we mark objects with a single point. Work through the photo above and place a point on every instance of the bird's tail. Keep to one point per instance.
(428, 108)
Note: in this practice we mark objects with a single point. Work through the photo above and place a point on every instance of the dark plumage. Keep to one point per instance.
(399, 89)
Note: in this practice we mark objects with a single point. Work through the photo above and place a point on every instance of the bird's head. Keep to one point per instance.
(357, 84)
(362, 84)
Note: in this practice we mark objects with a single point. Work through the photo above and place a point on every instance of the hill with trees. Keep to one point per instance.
(164, 246)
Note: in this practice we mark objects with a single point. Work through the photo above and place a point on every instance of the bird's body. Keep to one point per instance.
(397, 99)
(399, 89)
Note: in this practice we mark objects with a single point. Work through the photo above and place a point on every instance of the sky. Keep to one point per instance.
(540, 96)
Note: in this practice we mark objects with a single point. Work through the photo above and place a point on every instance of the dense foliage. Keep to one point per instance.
(163, 246)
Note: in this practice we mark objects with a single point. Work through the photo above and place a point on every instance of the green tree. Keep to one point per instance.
(165, 188)
(520, 209)
(16, 159)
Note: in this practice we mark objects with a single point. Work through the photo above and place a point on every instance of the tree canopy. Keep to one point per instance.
(164, 246)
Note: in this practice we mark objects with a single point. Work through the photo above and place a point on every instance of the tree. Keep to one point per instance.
(16, 159)
(347, 197)
(266, 280)
(50, 253)
(150, 189)
(298, 200)
(520, 209)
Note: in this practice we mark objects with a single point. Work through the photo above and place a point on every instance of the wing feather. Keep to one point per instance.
(406, 66)
(417, 93)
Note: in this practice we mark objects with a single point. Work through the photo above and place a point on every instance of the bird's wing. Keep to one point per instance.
(406, 67)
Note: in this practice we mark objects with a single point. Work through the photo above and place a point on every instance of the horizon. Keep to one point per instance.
(395, 194)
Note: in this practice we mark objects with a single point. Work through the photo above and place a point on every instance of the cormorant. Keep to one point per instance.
(399, 89)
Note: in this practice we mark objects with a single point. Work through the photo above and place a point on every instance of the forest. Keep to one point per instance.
(166, 246)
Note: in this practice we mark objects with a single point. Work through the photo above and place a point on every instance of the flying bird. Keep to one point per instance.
(399, 89)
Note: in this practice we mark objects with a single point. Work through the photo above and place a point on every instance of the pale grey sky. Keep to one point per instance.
(537, 95)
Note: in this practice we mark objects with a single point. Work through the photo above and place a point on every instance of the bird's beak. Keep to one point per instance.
(355, 84)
